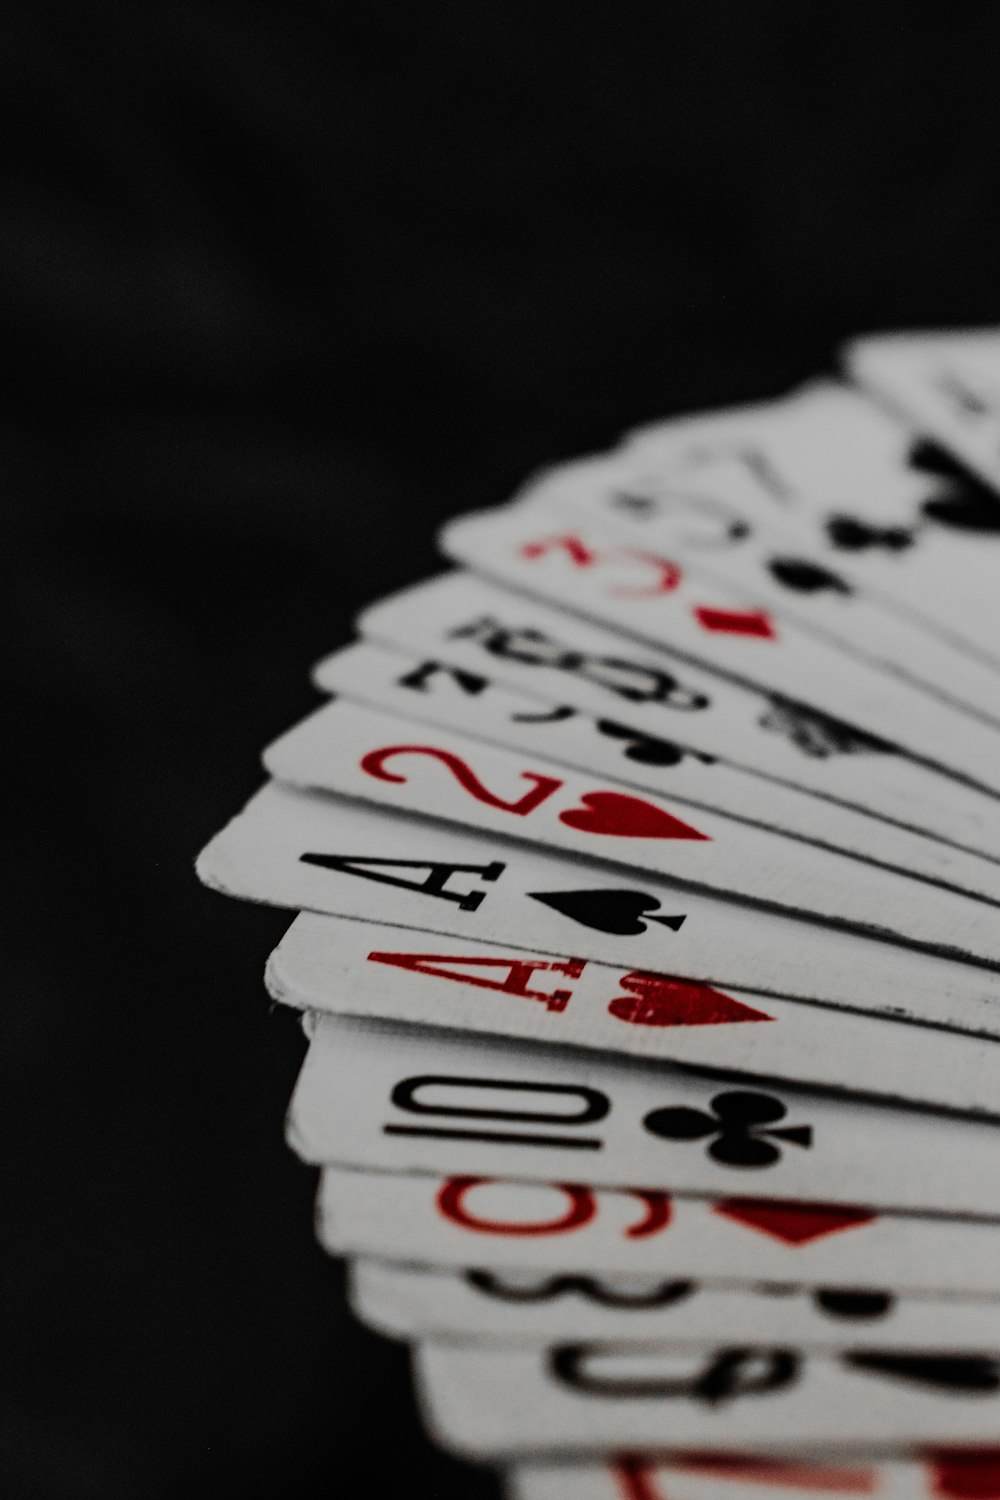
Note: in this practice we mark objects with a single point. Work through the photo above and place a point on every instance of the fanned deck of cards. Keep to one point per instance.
(647, 864)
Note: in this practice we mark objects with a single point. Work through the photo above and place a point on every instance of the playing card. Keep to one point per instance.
(587, 569)
(387, 1097)
(825, 442)
(572, 1228)
(950, 1474)
(451, 699)
(946, 383)
(719, 528)
(363, 969)
(921, 532)
(576, 1398)
(327, 854)
(647, 876)
(359, 752)
(461, 621)
(535, 1309)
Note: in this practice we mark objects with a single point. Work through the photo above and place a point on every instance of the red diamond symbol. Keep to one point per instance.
(792, 1223)
(972, 1475)
(736, 621)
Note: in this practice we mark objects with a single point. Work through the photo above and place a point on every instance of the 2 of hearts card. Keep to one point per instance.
(646, 863)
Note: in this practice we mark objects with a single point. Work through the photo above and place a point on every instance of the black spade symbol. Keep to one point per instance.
(615, 911)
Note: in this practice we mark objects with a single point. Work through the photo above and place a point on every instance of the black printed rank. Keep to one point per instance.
(589, 1288)
(638, 745)
(636, 682)
(434, 882)
(742, 1127)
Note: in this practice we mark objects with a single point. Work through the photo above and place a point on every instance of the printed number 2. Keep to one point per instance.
(374, 764)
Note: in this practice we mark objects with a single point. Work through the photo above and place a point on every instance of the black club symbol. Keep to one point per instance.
(737, 1125)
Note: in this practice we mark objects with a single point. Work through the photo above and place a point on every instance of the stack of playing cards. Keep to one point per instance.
(648, 864)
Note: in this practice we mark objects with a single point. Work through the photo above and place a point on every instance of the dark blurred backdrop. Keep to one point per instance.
(282, 286)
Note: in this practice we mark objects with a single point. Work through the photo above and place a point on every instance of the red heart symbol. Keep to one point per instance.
(626, 817)
(657, 1000)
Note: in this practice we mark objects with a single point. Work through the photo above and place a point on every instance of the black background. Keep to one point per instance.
(282, 287)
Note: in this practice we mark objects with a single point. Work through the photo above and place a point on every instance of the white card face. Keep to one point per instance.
(575, 1228)
(324, 854)
(719, 527)
(369, 674)
(381, 1096)
(535, 1309)
(586, 568)
(358, 752)
(947, 384)
(886, 504)
(485, 631)
(575, 1398)
(363, 969)
(947, 1476)
(824, 443)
